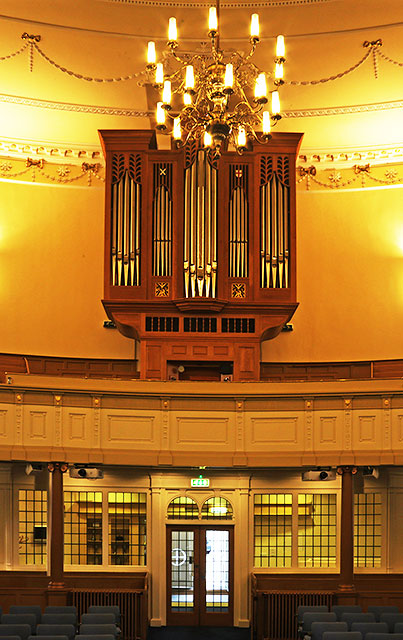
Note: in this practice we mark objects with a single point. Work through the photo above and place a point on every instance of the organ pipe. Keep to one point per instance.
(274, 236)
(200, 227)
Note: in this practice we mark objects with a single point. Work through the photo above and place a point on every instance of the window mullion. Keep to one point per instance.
(294, 528)
(105, 528)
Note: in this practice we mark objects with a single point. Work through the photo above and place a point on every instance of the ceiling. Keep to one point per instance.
(107, 39)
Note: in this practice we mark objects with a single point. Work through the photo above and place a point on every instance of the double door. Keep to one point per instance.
(200, 575)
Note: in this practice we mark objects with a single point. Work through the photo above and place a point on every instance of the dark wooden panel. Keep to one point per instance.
(283, 372)
(388, 369)
(75, 367)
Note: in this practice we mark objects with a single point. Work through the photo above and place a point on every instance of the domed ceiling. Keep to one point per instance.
(85, 71)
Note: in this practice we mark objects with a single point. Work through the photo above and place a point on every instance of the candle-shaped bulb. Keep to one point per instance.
(212, 19)
(207, 140)
(177, 131)
(166, 92)
(160, 114)
(187, 99)
(159, 73)
(189, 79)
(279, 71)
(266, 124)
(229, 75)
(241, 141)
(280, 47)
(172, 30)
(151, 55)
(275, 103)
(260, 86)
(254, 25)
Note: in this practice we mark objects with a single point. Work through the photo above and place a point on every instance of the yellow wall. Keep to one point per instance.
(350, 275)
(51, 273)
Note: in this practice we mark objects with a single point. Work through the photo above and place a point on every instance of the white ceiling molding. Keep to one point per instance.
(133, 113)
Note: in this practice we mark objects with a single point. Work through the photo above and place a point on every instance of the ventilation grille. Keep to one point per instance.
(200, 325)
(238, 325)
(279, 611)
(132, 604)
(162, 323)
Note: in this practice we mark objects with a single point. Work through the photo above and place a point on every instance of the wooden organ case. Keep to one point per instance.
(200, 252)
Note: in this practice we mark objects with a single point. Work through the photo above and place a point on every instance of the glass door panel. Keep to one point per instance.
(217, 571)
(182, 571)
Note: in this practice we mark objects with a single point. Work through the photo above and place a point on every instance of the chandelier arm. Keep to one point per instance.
(251, 52)
(245, 100)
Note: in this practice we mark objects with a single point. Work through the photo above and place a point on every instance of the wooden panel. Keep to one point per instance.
(278, 372)
(198, 432)
(121, 429)
(397, 429)
(277, 433)
(367, 433)
(327, 431)
(77, 367)
(5, 423)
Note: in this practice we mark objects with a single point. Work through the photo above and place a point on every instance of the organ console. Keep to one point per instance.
(200, 252)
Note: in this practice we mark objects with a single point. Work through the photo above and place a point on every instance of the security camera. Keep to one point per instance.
(91, 473)
(319, 474)
(33, 467)
(370, 472)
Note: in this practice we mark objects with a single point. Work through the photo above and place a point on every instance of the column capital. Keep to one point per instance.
(347, 469)
(57, 466)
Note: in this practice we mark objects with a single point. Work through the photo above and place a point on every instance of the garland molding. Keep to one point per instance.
(324, 169)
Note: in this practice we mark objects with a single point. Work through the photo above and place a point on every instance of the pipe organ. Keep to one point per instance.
(200, 255)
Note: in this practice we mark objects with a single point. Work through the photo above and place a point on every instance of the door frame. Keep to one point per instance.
(200, 616)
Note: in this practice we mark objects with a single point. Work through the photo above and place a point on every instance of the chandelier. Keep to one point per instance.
(215, 96)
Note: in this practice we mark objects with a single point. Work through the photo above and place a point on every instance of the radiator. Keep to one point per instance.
(279, 611)
(132, 604)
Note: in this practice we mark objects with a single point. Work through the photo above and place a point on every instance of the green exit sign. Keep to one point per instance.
(199, 482)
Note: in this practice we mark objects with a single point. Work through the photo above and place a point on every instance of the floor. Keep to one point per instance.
(198, 633)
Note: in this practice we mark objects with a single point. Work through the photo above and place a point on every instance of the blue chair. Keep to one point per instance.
(20, 618)
(20, 630)
(68, 630)
(67, 608)
(98, 618)
(378, 610)
(339, 609)
(316, 616)
(303, 608)
(391, 619)
(111, 608)
(59, 618)
(369, 627)
(384, 636)
(47, 638)
(319, 628)
(27, 608)
(105, 636)
(356, 617)
(342, 635)
(99, 629)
